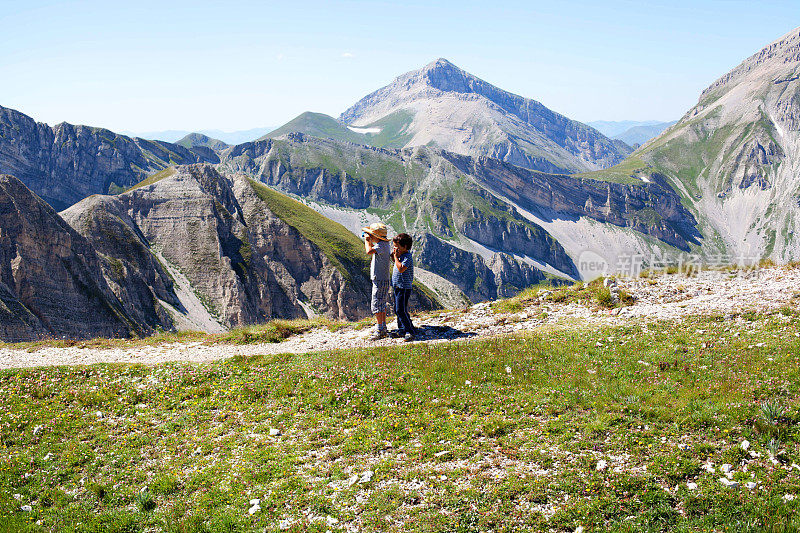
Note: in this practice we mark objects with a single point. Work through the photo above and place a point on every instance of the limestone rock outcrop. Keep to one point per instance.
(51, 281)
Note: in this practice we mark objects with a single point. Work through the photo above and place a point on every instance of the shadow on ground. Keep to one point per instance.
(427, 333)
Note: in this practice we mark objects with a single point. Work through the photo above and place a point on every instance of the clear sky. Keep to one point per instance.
(231, 65)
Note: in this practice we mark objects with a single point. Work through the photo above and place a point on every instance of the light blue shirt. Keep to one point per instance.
(381, 261)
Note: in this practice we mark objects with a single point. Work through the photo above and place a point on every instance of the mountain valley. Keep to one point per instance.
(499, 192)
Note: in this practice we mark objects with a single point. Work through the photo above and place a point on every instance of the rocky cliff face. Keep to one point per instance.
(51, 282)
(244, 262)
(461, 113)
(134, 274)
(454, 196)
(65, 163)
(479, 279)
(651, 207)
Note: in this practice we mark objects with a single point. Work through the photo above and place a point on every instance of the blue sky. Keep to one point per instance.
(231, 65)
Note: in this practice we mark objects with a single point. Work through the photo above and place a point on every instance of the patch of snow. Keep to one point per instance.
(356, 129)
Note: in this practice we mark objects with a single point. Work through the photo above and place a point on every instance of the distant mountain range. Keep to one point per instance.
(498, 191)
(631, 132)
(228, 137)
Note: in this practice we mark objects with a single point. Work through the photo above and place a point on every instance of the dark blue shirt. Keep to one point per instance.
(404, 280)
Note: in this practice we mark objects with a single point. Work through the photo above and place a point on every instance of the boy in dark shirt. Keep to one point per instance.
(402, 283)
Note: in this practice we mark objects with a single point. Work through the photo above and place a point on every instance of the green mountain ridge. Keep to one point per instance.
(388, 132)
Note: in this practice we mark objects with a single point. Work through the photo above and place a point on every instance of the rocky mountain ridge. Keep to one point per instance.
(476, 204)
(735, 156)
(64, 164)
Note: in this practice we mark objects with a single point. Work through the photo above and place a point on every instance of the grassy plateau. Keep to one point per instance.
(627, 428)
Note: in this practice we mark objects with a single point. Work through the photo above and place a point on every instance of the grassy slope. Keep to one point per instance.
(343, 249)
(155, 178)
(315, 125)
(502, 434)
(627, 171)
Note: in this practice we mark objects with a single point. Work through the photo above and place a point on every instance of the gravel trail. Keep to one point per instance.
(668, 297)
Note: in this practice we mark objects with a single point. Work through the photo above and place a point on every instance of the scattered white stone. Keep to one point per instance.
(691, 486)
(750, 484)
(285, 524)
(645, 363)
(440, 454)
(788, 497)
(254, 509)
(729, 482)
(579, 529)
(708, 467)
(352, 480)
(726, 468)
(366, 477)
(442, 478)
(745, 445)
(255, 501)
(37, 430)
(331, 521)
(99, 414)
(467, 382)
(47, 457)
(18, 497)
(274, 432)
(28, 508)
(601, 465)
(508, 370)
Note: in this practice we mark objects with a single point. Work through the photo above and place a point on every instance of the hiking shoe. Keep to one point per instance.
(380, 334)
(408, 337)
(397, 334)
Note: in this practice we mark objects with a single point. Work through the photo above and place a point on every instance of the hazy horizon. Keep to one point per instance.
(246, 65)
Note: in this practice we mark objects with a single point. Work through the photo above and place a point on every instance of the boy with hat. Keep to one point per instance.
(376, 244)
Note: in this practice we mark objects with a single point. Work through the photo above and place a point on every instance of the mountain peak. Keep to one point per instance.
(445, 76)
(439, 64)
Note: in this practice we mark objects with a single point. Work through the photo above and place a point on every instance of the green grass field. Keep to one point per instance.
(505, 434)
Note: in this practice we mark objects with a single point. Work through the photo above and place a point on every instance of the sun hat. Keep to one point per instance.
(377, 229)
